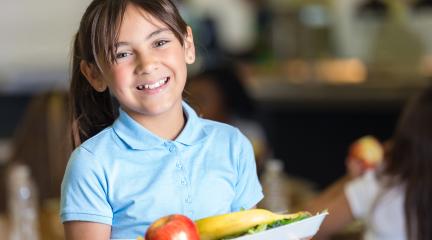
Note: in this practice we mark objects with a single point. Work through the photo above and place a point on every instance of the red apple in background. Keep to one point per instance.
(172, 227)
(368, 150)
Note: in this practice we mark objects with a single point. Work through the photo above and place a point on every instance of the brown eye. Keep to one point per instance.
(122, 55)
(160, 43)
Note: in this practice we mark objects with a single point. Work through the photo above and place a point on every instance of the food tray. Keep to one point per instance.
(304, 229)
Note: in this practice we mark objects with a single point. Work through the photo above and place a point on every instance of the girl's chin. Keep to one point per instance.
(155, 109)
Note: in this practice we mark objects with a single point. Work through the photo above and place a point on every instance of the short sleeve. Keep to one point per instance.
(248, 190)
(361, 194)
(83, 190)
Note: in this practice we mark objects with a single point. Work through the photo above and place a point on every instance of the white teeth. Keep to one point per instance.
(153, 85)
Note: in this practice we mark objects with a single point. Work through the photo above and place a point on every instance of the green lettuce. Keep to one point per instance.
(262, 227)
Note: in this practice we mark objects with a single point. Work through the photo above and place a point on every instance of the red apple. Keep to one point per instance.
(172, 227)
(368, 150)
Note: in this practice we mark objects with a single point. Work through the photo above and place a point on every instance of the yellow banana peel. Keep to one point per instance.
(219, 226)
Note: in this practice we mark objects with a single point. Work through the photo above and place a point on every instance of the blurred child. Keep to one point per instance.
(394, 200)
(41, 142)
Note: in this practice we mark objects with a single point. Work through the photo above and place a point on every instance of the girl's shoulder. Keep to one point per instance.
(219, 127)
(224, 132)
(100, 142)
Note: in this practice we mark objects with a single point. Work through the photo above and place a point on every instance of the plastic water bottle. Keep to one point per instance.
(23, 205)
(275, 190)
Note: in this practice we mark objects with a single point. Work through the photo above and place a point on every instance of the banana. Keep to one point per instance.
(219, 226)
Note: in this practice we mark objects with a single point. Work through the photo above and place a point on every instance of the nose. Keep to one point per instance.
(146, 63)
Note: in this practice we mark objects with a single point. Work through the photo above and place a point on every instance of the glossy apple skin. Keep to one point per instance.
(368, 150)
(172, 227)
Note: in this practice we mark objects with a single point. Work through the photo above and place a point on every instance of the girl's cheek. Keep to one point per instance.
(120, 72)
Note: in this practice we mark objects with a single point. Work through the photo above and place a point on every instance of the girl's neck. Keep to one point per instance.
(167, 125)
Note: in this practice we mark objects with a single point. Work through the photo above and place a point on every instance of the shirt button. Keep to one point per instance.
(183, 182)
(188, 200)
(179, 166)
(171, 148)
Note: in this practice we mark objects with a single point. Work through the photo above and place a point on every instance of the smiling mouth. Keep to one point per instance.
(154, 85)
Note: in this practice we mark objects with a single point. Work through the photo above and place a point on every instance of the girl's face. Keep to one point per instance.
(150, 73)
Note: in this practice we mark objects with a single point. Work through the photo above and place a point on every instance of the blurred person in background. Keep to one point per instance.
(218, 93)
(394, 199)
(42, 143)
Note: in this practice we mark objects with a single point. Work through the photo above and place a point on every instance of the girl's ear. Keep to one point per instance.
(93, 76)
(189, 47)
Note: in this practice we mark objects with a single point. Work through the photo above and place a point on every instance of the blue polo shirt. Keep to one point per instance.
(127, 177)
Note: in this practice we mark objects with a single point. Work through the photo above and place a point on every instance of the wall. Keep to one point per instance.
(35, 42)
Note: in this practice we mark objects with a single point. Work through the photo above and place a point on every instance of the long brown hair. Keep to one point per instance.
(92, 111)
(409, 162)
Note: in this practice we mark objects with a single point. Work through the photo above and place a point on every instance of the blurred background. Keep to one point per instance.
(319, 74)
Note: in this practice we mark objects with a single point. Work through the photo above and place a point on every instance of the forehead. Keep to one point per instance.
(136, 17)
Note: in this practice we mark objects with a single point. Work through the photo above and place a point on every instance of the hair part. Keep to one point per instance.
(95, 41)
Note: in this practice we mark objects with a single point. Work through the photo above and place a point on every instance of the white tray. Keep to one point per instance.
(304, 229)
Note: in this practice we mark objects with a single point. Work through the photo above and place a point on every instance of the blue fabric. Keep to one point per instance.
(128, 177)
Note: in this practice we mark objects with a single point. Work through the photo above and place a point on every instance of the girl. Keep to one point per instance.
(156, 156)
(393, 201)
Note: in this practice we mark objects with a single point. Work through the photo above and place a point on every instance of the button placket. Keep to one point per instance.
(183, 181)
(188, 199)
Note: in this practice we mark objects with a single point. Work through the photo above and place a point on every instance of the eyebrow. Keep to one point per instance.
(160, 30)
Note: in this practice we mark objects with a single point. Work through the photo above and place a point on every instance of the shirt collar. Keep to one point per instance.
(194, 130)
(138, 137)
